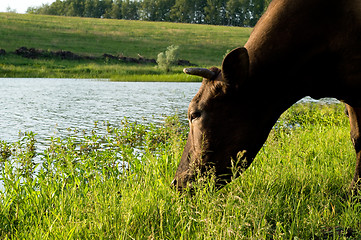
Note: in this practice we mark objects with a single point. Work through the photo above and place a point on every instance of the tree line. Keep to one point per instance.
(216, 12)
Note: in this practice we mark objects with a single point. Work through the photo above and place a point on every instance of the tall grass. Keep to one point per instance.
(117, 185)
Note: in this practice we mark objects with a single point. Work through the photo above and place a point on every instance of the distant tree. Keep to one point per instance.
(147, 10)
(219, 12)
(257, 8)
(238, 12)
(215, 12)
(156, 10)
(56, 8)
(74, 8)
(164, 9)
(33, 10)
(106, 8)
(9, 10)
(130, 10)
(116, 10)
(188, 11)
(98, 9)
(199, 10)
(182, 11)
(89, 8)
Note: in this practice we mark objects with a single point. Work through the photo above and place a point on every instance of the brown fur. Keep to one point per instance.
(298, 48)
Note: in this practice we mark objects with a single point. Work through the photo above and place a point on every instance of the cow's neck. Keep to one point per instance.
(288, 57)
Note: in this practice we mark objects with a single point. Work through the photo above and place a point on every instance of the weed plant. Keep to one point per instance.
(166, 59)
(116, 185)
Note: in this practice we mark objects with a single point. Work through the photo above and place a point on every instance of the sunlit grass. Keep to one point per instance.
(203, 45)
(200, 44)
(15, 66)
(116, 185)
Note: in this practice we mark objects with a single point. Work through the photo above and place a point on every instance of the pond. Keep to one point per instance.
(48, 107)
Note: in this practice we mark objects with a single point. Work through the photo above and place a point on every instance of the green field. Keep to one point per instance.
(117, 185)
(204, 45)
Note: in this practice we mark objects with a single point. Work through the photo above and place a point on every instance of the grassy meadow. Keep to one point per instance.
(203, 45)
(114, 182)
(117, 185)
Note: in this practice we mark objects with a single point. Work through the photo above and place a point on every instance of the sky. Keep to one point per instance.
(21, 5)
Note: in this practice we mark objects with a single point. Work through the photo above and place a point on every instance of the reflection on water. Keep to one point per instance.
(50, 106)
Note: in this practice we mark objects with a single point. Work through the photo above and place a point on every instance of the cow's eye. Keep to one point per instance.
(194, 115)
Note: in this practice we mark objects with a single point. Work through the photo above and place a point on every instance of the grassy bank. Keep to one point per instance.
(13, 66)
(200, 44)
(116, 185)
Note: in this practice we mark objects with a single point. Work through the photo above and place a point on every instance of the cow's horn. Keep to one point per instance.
(202, 72)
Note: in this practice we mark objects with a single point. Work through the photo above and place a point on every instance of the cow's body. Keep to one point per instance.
(312, 44)
(298, 48)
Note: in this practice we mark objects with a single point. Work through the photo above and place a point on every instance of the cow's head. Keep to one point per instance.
(223, 126)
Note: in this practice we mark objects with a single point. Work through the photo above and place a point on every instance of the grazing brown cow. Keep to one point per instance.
(298, 48)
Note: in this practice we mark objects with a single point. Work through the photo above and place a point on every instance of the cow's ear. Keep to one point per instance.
(235, 67)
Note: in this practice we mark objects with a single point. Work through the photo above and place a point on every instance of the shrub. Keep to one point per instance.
(166, 59)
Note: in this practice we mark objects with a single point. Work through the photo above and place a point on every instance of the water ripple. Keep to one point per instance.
(50, 106)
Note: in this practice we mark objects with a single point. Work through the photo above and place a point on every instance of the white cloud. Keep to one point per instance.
(21, 5)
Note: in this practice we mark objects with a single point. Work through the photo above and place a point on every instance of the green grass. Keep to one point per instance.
(295, 189)
(15, 66)
(203, 45)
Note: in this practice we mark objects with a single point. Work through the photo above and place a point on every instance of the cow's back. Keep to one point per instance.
(349, 40)
(315, 43)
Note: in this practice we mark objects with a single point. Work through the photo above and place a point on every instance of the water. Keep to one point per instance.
(48, 107)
